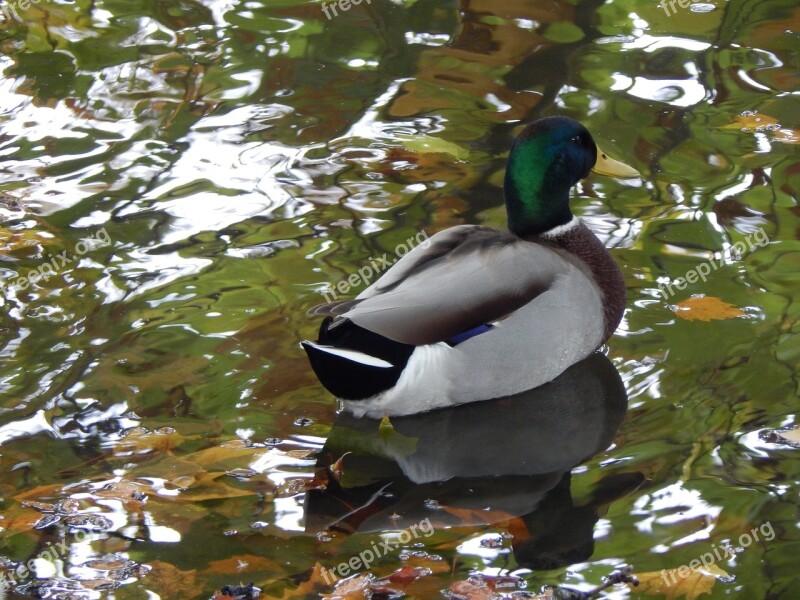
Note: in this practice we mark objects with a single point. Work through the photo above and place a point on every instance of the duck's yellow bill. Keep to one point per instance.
(606, 165)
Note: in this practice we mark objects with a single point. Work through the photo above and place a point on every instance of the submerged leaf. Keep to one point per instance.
(168, 581)
(471, 517)
(470, 590)
(406, 575)
(316, 581)
(751, 121)
(241, 563)
(12, 241)
(426, 144)
(142, 441)
(358, 587)
(672, 585)
(706, 308)
(304, 453)
(128, 492)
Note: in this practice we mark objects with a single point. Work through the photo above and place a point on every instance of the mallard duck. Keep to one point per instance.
(476, 313)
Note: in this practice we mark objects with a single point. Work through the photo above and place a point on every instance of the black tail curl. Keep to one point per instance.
(349, 379)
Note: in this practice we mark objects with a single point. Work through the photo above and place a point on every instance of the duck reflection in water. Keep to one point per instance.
(500, 461)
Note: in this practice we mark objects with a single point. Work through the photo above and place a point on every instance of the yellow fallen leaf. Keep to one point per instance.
(142, 441)
(11, 241)
(426, 144)
(19, 518)
(428, 562)
(472, 590)
(227, 455)
(241, 563)
(751, 121)
(475, 517)
(672, 586)
(352, 588)
(210, 486)
(41, 491)
(706, 308)
(300, 453)
(129, 492)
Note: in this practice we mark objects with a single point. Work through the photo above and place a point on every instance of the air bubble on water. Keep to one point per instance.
(420, 554)
(702, 7)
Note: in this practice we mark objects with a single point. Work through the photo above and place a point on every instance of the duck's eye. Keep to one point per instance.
(576, 139)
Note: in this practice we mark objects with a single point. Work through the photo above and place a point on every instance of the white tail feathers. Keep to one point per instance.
(354, 356)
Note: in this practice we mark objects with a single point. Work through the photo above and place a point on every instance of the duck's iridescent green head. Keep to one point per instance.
(547, 159)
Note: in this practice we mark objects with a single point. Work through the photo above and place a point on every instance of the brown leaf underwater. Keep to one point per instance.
(672, 586)
(706, 308)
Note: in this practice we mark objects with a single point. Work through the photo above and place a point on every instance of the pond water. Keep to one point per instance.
(183, 180)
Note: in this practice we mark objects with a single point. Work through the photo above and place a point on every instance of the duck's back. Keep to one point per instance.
(541, 304)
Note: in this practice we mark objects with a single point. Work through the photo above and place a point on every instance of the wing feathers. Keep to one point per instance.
(466, 277)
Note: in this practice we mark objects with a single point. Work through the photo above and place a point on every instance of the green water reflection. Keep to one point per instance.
(243, 156)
